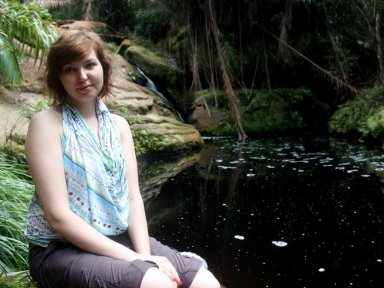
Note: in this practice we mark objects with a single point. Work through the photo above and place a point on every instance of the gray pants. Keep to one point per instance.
(62, 265)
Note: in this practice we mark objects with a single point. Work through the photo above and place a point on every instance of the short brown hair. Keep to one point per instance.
(73, 45)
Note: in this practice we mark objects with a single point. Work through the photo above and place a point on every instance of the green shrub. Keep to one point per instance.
(72, 10)
(362, 115)
(21, 280)
(42, 104)
(277, 110)
(16, 189)
(146, 141)
(152, 22)
(374, 124)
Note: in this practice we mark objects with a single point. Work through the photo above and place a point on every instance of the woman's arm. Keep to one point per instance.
(137, 222)
(44, 156)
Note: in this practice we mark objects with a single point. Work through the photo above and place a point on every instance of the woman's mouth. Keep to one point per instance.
(84, 88)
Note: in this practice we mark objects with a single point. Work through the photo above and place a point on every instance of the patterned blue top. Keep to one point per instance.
(95, 173)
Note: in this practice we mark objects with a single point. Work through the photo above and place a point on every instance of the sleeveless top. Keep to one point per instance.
(95, 174)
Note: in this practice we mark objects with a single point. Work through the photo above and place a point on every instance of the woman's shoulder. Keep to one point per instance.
(120, 121)
(53, 112)
(48, 119)
(122, 125)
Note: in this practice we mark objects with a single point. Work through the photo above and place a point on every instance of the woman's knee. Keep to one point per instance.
(205, 279)
(154, 278)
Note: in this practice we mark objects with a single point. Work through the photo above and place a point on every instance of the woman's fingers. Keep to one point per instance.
(167, 268)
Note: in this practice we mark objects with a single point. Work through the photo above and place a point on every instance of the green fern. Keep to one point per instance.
(16, 189)
(9, 66)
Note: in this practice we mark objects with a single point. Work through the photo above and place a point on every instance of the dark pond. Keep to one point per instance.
(274, 212)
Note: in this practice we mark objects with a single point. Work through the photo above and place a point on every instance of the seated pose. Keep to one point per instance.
(86, 224)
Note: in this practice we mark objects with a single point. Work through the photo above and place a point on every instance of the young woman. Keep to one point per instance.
(87, 225)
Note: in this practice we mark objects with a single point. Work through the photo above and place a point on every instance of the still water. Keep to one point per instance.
(278, 212)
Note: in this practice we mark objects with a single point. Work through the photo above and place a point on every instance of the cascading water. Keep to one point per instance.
(151, 86)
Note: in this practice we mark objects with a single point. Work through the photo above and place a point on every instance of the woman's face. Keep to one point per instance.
(83, 79)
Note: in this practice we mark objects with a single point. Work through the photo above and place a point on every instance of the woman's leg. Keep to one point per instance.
(186, 267)
(190, 269)
(63, 265)
(205, 279)
(154, 278)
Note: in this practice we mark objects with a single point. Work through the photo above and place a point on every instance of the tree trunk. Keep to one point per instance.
(232, 98)
(285, 26)
(379, 48)
(87, 9)
(368, 9)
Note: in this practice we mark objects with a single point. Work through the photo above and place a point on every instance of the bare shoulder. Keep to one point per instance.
(45, 122)
(50, 116)
(121, 123)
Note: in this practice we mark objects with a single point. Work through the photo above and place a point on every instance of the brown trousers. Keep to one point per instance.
(62, 265)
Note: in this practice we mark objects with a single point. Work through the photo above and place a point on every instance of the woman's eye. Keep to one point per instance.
(68, 69)
(90, 65)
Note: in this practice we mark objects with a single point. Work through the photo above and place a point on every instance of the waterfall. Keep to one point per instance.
(151, 86)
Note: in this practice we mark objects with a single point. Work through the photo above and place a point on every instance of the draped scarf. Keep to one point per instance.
(95, 170)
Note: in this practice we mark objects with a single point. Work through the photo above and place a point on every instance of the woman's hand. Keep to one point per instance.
(166, 267)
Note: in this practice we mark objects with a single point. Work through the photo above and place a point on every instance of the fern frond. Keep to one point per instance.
(26, 28)
(9, 67)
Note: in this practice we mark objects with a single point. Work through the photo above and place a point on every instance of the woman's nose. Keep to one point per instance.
(82, 75)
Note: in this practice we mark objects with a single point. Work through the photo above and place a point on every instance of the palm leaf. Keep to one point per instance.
(25, 28)
(9, 66)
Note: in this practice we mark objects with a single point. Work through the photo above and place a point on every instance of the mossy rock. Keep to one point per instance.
(153, 65)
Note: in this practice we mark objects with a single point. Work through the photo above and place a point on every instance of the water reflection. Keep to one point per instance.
(277, 212)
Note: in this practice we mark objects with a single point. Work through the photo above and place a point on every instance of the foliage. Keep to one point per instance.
(264, 111)
(340, 39)
(226, 127)
(152, 22)
(213, 98)
(30, 25)
(21, 280)
(361, 115)
(277, 110)
(144, 139)
(374, 125)
(67, 10)
(9, 66)
(349, 115)
(40, 105)
(13, 148)
(16, 190)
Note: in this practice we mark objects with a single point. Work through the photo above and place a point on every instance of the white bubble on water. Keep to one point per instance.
(226, 167)
(239, 237)
(280, 243)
